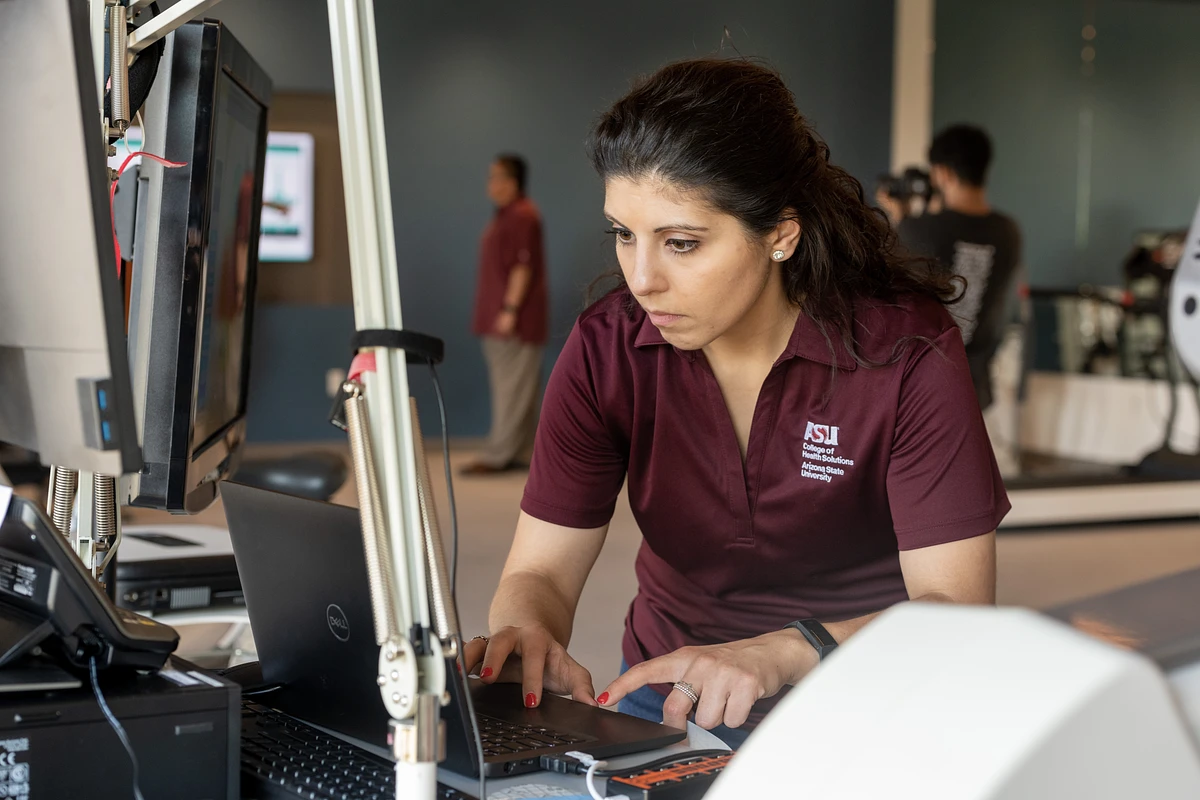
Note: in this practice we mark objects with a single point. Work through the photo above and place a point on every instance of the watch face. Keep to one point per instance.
(822, 634)
(817, 636)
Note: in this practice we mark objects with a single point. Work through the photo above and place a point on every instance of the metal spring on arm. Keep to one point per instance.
(370, 509)
(105, 515)
(64, 484)
(118, 50)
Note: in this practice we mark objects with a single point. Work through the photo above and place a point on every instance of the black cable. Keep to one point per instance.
(662, 762)
(437, 388)
(116, 726)
(1172, 384)
(565, 764)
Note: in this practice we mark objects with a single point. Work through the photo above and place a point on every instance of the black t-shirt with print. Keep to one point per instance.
(986, 251)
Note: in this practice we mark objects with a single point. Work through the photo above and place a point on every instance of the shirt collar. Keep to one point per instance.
(511, 207)
(806, 341)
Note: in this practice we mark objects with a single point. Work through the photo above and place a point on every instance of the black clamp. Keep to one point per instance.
(419, 348)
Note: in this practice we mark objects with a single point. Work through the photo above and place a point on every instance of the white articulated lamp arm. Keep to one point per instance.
(412, 676)
(1185, 302)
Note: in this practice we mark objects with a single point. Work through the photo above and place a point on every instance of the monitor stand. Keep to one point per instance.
(20, 633)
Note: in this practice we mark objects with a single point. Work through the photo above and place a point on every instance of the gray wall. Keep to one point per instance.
(1015, 67)
(464, 80)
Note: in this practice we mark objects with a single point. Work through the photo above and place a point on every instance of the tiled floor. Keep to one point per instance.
(1036, 569)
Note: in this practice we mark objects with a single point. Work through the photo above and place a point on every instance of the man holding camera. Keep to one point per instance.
(971, 239)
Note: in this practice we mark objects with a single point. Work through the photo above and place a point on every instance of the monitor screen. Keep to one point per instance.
(220, 362)
(195, 266)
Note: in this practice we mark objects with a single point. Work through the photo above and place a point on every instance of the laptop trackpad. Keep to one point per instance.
(606, 732)
(505, 701)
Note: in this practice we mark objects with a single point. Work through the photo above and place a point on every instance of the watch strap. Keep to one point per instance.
(817, 636)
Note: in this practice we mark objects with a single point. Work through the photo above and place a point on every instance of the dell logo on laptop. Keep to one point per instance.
(338, 624)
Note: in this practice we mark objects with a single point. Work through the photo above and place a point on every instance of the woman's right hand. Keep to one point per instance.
(531, 656)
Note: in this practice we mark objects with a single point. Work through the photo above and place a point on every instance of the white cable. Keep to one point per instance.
(592, 764)
(591, 781)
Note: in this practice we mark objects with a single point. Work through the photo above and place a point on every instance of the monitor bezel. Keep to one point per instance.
(185, 481)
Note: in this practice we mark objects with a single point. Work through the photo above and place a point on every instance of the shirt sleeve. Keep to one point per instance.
(942, 480)
(577, 470)
(523, 243)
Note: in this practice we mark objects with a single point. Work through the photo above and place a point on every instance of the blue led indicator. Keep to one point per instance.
(103, 398)
(107, 431)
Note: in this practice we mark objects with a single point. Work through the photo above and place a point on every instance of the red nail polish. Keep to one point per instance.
(603, 699)
(530, 700)
(487, 672)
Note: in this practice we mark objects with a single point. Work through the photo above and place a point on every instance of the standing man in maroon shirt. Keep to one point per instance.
(510, 317)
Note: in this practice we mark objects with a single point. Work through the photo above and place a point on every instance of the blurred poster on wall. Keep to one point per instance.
(287, 211)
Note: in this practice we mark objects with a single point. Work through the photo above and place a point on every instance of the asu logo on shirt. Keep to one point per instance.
(821, 434)
(821, 460)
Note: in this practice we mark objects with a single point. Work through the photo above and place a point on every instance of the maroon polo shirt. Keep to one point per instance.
(846, 466)
(513, 237)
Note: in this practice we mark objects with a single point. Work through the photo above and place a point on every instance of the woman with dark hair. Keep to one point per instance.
(786, 396)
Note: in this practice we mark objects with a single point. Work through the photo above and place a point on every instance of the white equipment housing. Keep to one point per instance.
(944, 702)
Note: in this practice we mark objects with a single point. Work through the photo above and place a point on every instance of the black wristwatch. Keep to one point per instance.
(816, 635)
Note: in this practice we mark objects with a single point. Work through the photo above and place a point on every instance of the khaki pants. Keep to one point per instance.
(515, 379)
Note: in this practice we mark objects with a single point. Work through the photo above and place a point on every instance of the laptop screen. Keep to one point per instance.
(305, 580)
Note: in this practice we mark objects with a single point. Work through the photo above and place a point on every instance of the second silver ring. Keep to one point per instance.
(688, 691)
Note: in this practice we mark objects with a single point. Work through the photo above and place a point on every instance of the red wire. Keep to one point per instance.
(112, 195)
(363, 362)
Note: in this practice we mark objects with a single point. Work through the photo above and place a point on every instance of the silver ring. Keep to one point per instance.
(688, 691)
(486, 640)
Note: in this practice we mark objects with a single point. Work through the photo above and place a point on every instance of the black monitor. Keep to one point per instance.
(64, 376)
(195, 263)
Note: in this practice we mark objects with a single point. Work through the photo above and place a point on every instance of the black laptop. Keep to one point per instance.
(305, 580)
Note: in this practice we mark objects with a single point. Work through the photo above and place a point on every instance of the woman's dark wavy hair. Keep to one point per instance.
(730, 129)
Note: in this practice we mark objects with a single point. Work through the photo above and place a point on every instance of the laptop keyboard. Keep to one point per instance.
(284, 758)
(501, 737)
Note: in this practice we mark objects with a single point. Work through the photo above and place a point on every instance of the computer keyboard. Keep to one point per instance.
(284, 758)
(500, 737)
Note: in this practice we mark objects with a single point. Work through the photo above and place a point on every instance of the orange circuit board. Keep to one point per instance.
(683, 780)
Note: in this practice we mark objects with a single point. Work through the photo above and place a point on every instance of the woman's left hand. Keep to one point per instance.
(728, 678)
